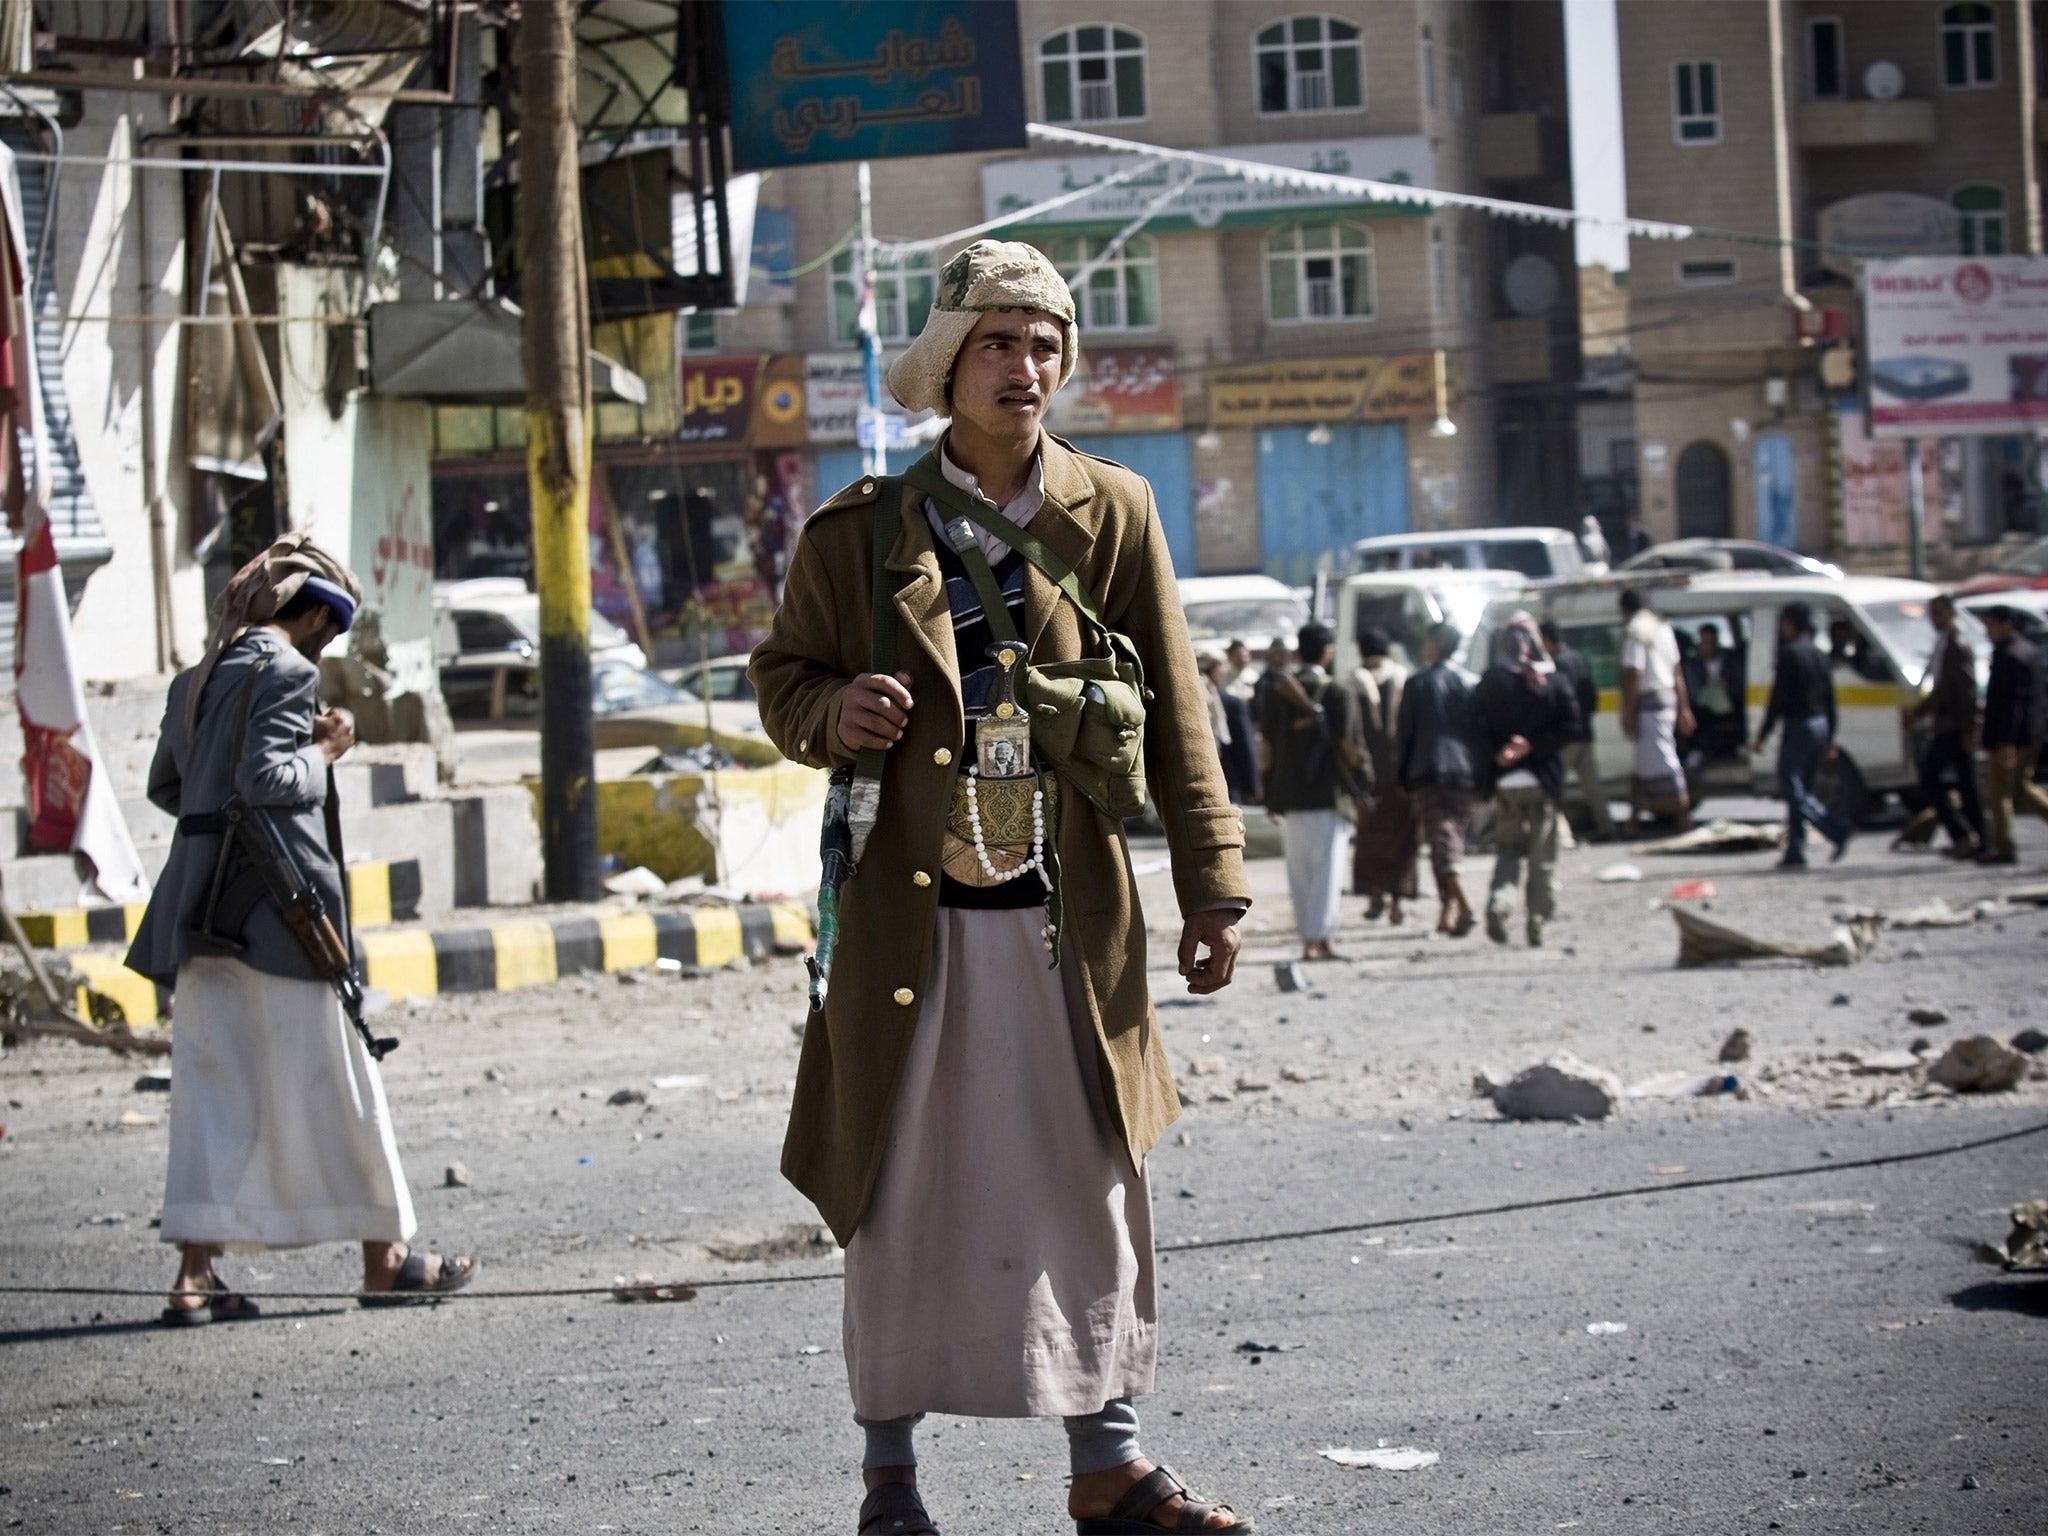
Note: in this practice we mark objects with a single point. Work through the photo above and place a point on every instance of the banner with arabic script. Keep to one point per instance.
(1383, 388)
(1119, 389)
(816, 80)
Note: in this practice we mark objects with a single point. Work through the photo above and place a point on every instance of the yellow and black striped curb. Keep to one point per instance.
(499, 956)
(378, 896)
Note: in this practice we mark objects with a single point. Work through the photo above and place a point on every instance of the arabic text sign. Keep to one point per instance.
(1215, 197)
(1874, 499)
(717, 396)
(1327, 389)
(816, 80)
(1119, 389)
(1956, 346)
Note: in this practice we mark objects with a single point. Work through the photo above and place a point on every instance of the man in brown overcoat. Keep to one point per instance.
(1952, 713)
(971, 1120)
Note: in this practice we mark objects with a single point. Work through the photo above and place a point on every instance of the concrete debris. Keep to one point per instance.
(805, 1240)
(624, 1096)
(1882, 1063)
(1701, 941)
(2026, 1246)
(1722, 837)
(1298, 1075)
(1255, 1347)
(675, 1081)
(1208, 1066)
(2031, 895)
(2032, 1041)
(1927, 1015)
(1288, 976)
(155, 1080)
(1384, 1458)
(1620, 874)
(1738, 1045)
(637, 881)
(1562, 1088)
(1979, 1064)
(1599, 1329)
(1939, 914)
(134, 1117)
(1250, 1084)
(644, 1288)
(457, 1176)
(1684, 1085)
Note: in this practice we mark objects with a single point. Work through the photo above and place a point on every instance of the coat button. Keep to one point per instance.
(943, 756)
(920, 879)
(905, 997)
(804, 745)
(867, 487)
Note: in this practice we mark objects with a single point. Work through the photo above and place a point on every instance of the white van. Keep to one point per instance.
(1255, 609)
(1873, 629)
(1540, 554)
(1407, 604)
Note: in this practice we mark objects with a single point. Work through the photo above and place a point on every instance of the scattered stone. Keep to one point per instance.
(1250, 1084)
(1880, 1063)
(494, 1074)
(132, 1117)
(155, 1080)
(1738, 1045)
(1288, 976)
(1920, 1045)
(1839, 1000)
(1298, 1075)
(1979, 1064)
(1208, 1066)
(624, 1096)
(1912, 952)
(457, 1176)
(2032, 1041)
(1926, 1016)
(1620, 874)
(1562, 1088)
(1970, 1481)
(1257, 1347)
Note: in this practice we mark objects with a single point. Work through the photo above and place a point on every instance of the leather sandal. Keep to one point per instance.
(894, 1509)
(410, 1283)
(221, 1306)
(1131, 1517)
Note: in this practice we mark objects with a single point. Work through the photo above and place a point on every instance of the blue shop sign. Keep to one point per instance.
(818, 80)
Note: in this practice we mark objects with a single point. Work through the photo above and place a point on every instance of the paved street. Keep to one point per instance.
(1819, 1354)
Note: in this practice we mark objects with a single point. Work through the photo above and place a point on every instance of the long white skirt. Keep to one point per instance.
(280, 1135)
(1004, 1268)
(1318, 850)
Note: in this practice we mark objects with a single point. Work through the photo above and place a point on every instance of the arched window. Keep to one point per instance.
(1969, 47)
(903, 296)
(1319, 272)
(1309, 64)
(1982, 205)
(1705, 510)
(1122, 294)
(1454, 68)
(1092, 74)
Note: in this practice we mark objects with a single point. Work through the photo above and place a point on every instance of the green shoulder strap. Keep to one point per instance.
(927, 477)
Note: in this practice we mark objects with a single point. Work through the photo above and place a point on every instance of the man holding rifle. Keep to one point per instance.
(280, 1136)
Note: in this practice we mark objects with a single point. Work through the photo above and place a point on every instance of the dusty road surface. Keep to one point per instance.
(1813, 1354)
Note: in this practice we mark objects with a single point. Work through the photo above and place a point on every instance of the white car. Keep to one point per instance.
(1255, 609)
(496, 616)
(1407, 604)
(1539, 553)
(722, 678)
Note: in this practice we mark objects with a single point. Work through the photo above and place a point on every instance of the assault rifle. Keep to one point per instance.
(250, 847)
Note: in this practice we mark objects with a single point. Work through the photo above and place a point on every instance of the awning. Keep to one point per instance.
(467, 352)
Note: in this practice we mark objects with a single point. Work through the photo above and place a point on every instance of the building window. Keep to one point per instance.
(1428, 68)
(1454, 67)
(1122, 294)
(1827, 60)
(1707, 274)
(700, 331)
(1696, 101)
(903, 296)
(1983, 223)
(1309, 64)
(1969, 47)
(1468, 271)
(1319, 272)
(1439, 282)
(1092, 74)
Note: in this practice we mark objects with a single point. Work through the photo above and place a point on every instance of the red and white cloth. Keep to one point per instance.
(72, 805)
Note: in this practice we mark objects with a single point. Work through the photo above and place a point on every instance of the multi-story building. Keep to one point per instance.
(1265, 354)
(1806, 128)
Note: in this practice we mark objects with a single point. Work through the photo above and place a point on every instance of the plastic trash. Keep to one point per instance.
(1694, 890)
(1683, 1085)
(1619, 874)
(637, 881)
(1383, 1458)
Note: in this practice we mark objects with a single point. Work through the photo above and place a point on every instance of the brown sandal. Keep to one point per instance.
(410, 1284)
(1132, 1515)
(894, 1509)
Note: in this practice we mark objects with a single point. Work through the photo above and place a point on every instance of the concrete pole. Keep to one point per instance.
(870, 338)
(554, 297)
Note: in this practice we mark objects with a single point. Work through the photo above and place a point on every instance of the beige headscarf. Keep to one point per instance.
(989, 274)
(255, 594)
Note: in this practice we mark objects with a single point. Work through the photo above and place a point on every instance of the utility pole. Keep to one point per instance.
(555, 330)
(1916, 512)
(870, 333)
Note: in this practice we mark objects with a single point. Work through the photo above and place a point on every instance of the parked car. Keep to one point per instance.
(720, 678)
(1728, 555)
(2029, 603)
(1255, 609)
(1873, 629)
(2026, 568)
(1538, 553)
(1407, 603)
(489, 616)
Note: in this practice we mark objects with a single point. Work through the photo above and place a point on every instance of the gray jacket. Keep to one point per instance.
(278, 768)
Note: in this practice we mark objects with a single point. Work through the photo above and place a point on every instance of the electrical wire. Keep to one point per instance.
(1195, 1245)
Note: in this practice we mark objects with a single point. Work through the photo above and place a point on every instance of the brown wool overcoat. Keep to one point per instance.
(1100, 518)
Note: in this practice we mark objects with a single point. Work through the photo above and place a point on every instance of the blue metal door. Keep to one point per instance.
(1777, 501)
(1316, 496)
(1164, 459)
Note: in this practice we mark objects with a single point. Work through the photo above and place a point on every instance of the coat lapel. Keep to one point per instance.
(1062, 522)
(921, 602)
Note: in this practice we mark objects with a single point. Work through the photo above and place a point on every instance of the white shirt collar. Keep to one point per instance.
(1020, 509)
